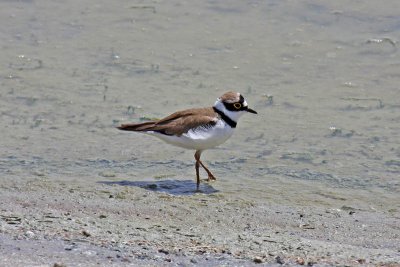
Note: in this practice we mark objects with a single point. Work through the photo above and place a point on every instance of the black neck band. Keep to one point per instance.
(228, 120)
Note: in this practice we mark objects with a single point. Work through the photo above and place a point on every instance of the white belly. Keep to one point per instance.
(200, 138)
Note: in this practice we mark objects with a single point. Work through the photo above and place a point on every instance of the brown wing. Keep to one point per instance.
(137, 126)
(177, 123)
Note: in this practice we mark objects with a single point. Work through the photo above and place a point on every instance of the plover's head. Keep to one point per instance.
(233, 105)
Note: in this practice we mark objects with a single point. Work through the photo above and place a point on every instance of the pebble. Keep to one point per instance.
(89, 253)
(361, 261)
(279, 260)
(69, 248)
(107, 174)
(300, 261)
(86, 233)
(30, 234)
(258, 260)
(161, 250)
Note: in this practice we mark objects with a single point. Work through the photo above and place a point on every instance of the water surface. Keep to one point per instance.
(323, 77)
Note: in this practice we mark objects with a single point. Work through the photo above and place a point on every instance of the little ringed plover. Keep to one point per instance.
(197, 128)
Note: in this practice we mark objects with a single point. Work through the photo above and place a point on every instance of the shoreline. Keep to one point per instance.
(74, 224)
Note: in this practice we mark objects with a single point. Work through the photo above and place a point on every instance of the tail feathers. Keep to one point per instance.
(139, 127)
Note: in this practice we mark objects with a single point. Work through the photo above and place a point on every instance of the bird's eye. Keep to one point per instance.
(237, 105)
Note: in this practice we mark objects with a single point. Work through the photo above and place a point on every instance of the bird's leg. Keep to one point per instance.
(198, 161)
(210, 175)
(197, 158)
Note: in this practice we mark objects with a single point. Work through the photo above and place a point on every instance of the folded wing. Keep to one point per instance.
(177, 123)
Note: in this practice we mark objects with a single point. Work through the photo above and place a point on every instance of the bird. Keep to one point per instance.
(197, 128)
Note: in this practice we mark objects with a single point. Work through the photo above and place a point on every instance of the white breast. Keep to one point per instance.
(200, 138)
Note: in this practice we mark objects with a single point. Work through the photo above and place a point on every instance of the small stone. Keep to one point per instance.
(300, 261)
(258, 260)
(193, 260)
(69, 248)
(125, 260)
(107, 174)
(89, 252)
(86, 233)
(161, 250)
(30, 234)
(59, 265)
(361, 261)
(279, 260)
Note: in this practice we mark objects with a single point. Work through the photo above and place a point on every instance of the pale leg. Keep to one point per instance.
(198, 161)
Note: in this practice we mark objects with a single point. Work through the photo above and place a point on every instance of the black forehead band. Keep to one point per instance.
(241, 99)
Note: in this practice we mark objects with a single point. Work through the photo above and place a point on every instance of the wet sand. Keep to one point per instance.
(77, 224)
(312, 180)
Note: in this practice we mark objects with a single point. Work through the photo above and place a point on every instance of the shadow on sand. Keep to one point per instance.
(173, 187)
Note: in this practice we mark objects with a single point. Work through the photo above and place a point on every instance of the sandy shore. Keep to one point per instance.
(48, 222)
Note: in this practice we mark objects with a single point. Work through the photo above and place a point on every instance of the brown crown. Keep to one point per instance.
(230, 97)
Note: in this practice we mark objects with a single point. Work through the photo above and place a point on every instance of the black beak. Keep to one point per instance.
(251, 111)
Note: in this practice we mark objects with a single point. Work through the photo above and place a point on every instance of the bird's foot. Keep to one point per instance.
(211, 178)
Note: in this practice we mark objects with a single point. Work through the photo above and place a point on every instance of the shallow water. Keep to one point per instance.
(323, 77)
